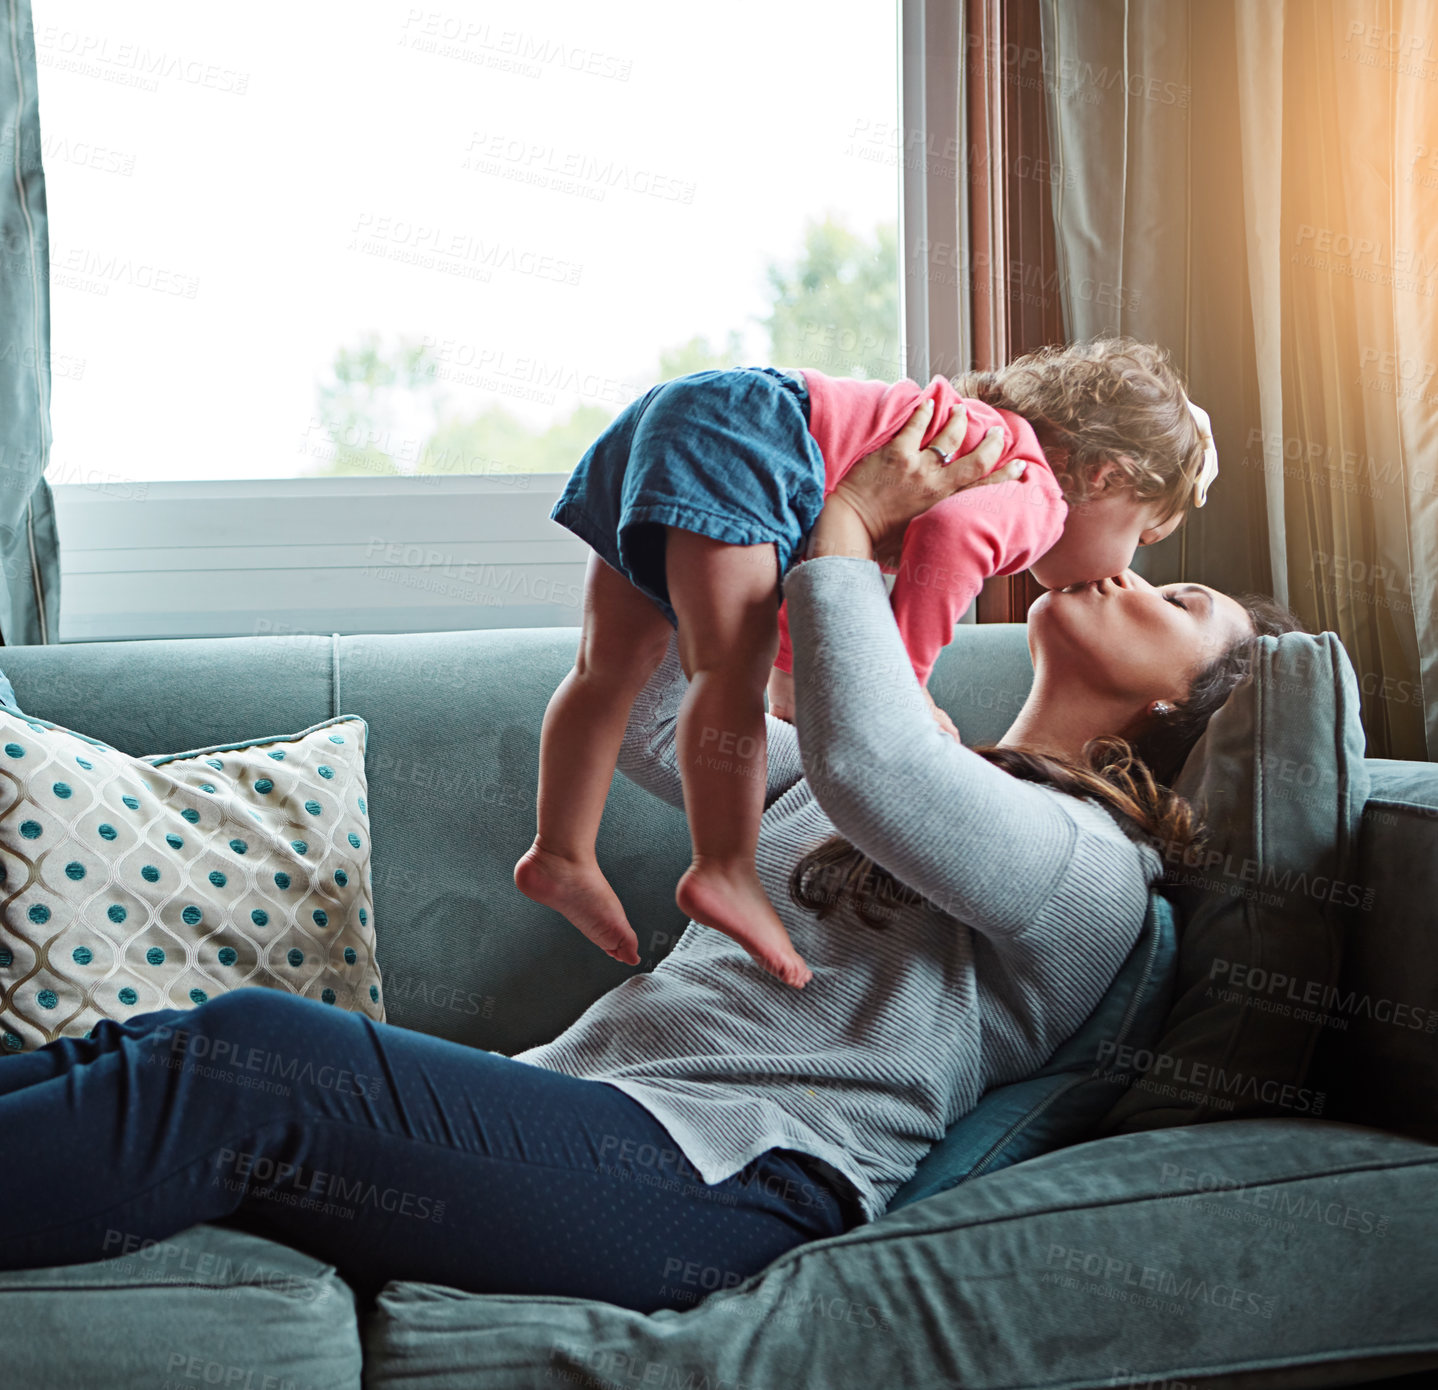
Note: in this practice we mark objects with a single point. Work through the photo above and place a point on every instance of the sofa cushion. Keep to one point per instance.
(1133, 1259)
(135, 884)
(1280, 779)
(454, 720)
(1064, 1101)
(209, 1306)
(1380, 1033)
(982, 678)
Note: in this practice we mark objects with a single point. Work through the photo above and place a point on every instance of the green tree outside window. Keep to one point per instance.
(835, 308)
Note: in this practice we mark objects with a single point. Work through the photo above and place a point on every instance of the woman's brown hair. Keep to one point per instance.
(1128, 775)
(1112, 398)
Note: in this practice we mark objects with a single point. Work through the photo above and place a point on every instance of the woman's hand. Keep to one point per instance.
(900, 480)
(867, 514)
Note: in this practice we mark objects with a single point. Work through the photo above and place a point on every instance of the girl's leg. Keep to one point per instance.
(385, 1152)
(726, 598)
(624, 638)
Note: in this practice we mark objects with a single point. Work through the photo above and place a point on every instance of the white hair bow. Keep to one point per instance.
(1210, 454)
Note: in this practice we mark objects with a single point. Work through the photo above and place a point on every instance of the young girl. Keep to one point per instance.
(696, 500)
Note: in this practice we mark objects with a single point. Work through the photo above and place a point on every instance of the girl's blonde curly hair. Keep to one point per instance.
(1112, 398)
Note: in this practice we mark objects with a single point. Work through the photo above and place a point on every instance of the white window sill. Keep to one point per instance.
(305, 555)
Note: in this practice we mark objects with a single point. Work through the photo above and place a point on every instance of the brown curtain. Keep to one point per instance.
(1016, 303)
(1254, 184)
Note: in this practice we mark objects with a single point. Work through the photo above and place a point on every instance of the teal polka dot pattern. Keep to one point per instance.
(142, 896)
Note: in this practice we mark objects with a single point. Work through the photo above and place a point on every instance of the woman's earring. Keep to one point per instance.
(1161, 708)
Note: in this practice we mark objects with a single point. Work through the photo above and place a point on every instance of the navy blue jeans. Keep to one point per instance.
(385, 1152)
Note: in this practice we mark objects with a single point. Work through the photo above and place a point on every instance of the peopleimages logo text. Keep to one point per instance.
(1206, 1077)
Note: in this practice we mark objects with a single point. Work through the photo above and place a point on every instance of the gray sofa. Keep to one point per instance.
(1335, 1284)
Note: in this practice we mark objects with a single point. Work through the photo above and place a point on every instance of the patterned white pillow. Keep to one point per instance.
(135, 884)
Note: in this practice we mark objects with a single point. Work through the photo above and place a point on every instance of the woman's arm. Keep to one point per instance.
(981, 845)
(978, 843)
(649, 753)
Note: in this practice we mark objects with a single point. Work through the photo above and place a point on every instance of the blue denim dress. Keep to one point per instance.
(726, 453)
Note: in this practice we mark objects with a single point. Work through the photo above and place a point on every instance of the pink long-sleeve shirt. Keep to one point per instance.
(953, 547)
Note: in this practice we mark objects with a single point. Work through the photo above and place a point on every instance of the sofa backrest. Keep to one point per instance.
(454, 720)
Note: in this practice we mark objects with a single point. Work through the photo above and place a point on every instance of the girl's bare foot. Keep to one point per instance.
(579, 890)
(730, 898)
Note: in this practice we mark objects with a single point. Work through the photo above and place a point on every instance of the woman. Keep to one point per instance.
(741, 1117)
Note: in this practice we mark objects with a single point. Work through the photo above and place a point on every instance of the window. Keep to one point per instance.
(378, 240)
